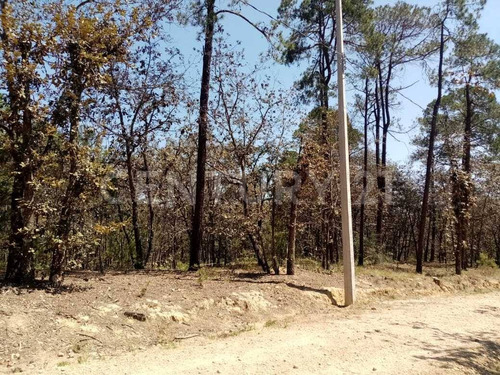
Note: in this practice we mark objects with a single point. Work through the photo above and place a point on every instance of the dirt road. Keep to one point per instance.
(434, 335)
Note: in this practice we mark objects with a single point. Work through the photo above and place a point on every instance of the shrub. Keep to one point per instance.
(485, 261)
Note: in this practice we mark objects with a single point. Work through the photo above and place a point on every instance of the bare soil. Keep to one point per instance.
(221, 320)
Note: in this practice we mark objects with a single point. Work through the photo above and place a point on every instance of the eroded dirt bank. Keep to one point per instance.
(86, 324)
(451, 335)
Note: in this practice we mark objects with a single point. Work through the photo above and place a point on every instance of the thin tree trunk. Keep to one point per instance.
(276, 266)
(378, 117)
(75, 185)
(151, 213)
(496, 237)
(299, 179)
(382, 177)
(139, 255)
(197, 231)
(441, 255)
(457, 182)
(427, 242)
(125, 232)
(430, 152)
(433, 234)
(466, 167)
(259, 253)
(361, 256)
(292, 234)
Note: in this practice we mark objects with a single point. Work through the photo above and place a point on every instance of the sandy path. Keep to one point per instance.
(435, 335)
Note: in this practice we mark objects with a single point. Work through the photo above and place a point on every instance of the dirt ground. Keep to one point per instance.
(447, 335)
(222, 320)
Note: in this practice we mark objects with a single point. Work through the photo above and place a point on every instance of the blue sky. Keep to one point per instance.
(255, 44)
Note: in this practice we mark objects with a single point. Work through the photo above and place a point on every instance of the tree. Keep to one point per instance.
(25, 44)
(432, 136)
(402, 35)
(141, 103)
(197, 230)
(88, 39)
(310, 34)
(476, 60)
(449, 149)
(247, 119)
(464, 15)
(210, 19)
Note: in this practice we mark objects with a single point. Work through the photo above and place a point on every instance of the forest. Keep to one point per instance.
(113, 158)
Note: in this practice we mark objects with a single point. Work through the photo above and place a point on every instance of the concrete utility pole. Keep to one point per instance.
(345, 184)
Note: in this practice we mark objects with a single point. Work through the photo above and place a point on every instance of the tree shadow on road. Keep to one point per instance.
(325, 292)
(480, 352)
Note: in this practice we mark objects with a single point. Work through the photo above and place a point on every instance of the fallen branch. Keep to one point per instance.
(186, 337)
(90, 337)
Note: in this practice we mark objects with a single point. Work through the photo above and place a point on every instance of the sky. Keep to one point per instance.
(254, 44)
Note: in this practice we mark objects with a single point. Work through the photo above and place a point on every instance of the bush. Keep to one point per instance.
(308, 264)
(485, 261)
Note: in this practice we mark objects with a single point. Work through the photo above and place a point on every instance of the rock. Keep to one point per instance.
(60, 354)
(205, 304)
(179, 317)
(135, 315)
(253, 301)
(334, 294)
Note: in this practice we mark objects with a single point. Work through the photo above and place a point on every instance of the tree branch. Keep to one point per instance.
(247, 20)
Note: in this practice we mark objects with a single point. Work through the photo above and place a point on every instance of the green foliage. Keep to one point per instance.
(310, 35)
(308, 264)
(109, 155)
(485, 261)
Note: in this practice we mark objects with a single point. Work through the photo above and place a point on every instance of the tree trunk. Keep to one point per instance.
(466, 167)
(139, 255)
(151, 213)
(75, 186)
(361, 255)
(299, 179)
(430, 152)
(197, 229)
(427, 242)
(20, 261)
(276, 266)
(20, 267)
(382, 176)
(378, 110)
(457, 182)
(496, 237)
(292, 233)
(433, 234)
(259, 253)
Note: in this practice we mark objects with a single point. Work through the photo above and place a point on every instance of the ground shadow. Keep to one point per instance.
(480, 352)
(325, 292)
(251, 275)
(263, 278)
(43, 285)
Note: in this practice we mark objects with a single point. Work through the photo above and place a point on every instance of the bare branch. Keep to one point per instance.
(247, 20)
